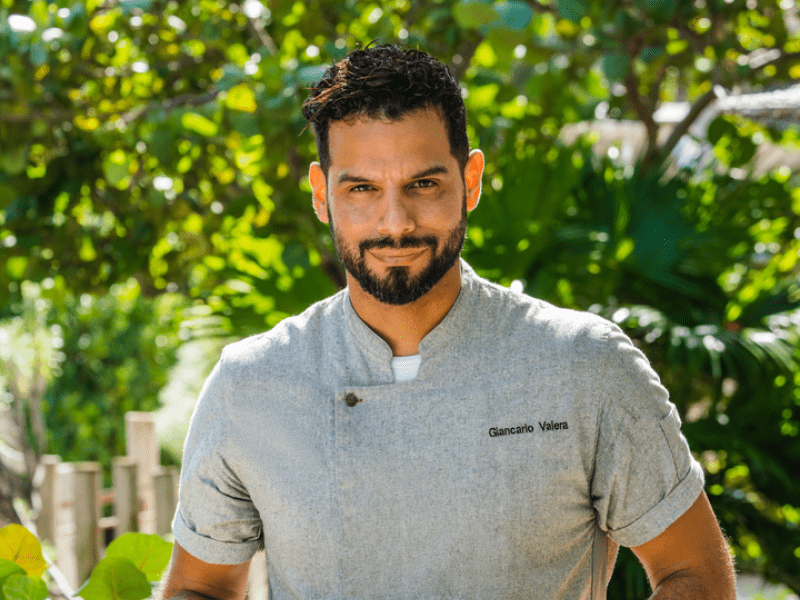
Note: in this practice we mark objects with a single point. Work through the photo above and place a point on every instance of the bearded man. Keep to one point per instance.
(424, 433)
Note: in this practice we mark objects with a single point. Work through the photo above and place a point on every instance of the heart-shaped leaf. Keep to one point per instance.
(19, 545)
(148, 552)
(22, 587)
(115, 578)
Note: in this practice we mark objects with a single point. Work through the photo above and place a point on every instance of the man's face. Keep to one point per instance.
(396, 203)
(398, 286)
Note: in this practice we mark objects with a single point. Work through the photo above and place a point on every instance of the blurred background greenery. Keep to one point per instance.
(641, 164)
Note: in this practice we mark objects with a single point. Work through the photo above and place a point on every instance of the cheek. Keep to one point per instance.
(353, 220)
(440, 213)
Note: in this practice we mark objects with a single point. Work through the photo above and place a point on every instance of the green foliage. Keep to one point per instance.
(19, 546)
(115, 578)
(117, 349)
(103, 355)
(149, 553)
(22, 587)
(133, 563)
(152, 185)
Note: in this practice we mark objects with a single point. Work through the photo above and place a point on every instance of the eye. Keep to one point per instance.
(424, 183)
(361, 187)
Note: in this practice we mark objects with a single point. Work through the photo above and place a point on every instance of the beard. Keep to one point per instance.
(398, 287)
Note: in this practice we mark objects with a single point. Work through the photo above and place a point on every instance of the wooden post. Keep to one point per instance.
(166, 500)
(86, 507)
(125, 477)
(64, 542)
(46, 521)
(142, 446)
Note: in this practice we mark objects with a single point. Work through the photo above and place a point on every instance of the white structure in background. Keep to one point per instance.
(624, 141)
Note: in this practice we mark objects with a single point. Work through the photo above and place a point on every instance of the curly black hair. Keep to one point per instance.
(387, 82)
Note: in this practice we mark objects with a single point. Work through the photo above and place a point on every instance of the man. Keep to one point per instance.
(425, 433)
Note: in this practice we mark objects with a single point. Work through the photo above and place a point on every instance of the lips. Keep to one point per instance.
(397, 257)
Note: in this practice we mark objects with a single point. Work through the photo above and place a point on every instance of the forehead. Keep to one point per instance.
(380, 145)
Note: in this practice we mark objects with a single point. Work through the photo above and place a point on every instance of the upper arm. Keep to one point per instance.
(188, 573)
(692, 545)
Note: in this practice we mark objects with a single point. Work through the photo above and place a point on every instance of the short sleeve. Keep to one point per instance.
(215, 520)
(644, 474)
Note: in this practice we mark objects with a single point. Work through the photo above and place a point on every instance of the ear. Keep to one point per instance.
(472, 176)
(318, 188)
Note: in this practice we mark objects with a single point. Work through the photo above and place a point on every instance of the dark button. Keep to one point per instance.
(351, 399)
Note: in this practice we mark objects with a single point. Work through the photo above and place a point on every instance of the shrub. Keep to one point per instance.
(133, 564)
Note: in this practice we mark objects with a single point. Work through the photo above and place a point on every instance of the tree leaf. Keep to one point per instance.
(718, 128)
(516, 15)
(199, 124)
(9, 567)
(231, 76)
(574, 10)
(19, 545)
(615, 65)
(471, 14)
(241, 98)
(660, 10)
(22, 587)
(295, 255)
(115, 578)
(148, 552)
(14, 161)
(128, 6)
(310, 75)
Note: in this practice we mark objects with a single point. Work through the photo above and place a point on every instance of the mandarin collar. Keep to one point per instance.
(440, 336)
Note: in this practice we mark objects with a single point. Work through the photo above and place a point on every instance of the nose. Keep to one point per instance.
(397, 219)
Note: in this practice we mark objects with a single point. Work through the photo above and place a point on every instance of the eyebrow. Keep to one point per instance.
(345, 177)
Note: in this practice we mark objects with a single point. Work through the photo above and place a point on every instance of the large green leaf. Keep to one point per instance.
(115, 578)
(19, 545)
(148, 552)
(9, 567)
(22, 587)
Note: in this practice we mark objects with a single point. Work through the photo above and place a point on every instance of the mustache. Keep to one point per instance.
(426, 241)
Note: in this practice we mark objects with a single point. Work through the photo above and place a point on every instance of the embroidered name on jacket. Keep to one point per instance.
(543, 426)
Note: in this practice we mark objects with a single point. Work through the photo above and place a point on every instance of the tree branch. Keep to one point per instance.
(644, 112)
(641, 106)
(465, 50)
(695, 41)
(59, 116)
(411, 15)
(262, 36)
(56, 116)
(682, 127)
(541, 8)
(167, 105)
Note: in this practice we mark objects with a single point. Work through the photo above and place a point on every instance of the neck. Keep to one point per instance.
(403, 327)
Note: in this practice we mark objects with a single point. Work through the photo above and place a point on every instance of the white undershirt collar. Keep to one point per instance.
(405, 368)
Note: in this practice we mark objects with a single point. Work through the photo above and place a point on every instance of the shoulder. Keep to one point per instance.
(289, 340)
(516, 315)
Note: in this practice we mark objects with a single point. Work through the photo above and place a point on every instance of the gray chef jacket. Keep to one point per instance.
(485, 477)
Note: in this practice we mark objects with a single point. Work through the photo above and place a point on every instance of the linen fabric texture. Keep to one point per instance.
(485, 477)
